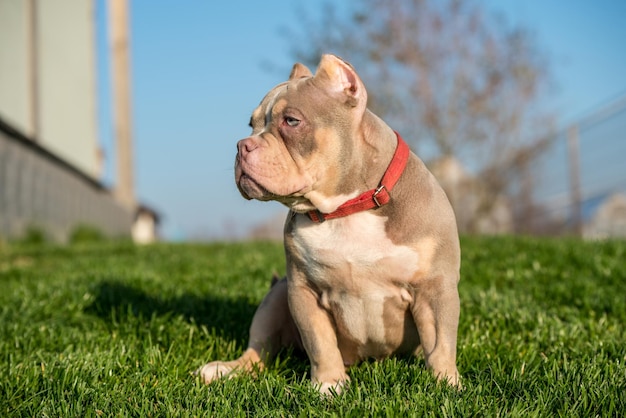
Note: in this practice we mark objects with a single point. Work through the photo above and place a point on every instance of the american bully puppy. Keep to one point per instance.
(371, 242)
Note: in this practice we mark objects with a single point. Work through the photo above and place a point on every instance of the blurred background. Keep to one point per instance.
(122, 117)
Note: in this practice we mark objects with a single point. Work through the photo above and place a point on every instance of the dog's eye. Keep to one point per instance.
(291, 121)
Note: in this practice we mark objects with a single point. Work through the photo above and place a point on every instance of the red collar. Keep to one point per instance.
(373, 198)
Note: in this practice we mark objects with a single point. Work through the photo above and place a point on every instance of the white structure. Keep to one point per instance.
(145, 226)
(48, 77)
(609, 220)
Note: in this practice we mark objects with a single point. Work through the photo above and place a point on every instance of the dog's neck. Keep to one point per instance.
(375, 197)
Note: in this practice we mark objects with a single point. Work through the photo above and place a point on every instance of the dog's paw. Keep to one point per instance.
(455, 381)
(451, 378)
(214, 371)
(331, 388)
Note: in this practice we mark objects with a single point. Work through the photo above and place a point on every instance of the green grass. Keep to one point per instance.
(109, 329)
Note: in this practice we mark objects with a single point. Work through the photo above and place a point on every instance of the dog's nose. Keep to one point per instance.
(246, 146)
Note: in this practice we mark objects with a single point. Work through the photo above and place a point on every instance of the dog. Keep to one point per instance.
(371, 242)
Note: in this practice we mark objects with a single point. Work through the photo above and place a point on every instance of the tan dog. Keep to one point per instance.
(371, 241)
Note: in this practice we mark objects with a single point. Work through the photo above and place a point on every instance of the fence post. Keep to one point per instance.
(573, 147)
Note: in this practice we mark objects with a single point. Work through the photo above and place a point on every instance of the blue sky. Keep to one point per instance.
(198, 71)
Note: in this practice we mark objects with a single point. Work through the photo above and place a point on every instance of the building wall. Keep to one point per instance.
(38, 189)
(65, 77)
(49, 163)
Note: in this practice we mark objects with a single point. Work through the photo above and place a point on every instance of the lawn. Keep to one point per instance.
(110, 329)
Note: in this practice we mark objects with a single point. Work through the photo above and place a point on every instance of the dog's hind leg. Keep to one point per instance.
(272, 329)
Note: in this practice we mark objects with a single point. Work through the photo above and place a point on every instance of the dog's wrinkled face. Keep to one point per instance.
(297, 152)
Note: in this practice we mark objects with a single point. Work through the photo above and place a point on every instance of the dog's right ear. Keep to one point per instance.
(299, 71)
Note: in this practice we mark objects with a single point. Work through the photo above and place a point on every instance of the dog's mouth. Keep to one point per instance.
(251, 189)
(247, 185)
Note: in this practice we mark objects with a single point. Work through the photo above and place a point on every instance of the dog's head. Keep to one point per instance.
(304, 131)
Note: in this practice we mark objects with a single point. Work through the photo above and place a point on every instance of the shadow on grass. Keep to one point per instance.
(115, 302)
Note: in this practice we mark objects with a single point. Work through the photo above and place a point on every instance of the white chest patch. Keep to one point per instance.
(358, 242)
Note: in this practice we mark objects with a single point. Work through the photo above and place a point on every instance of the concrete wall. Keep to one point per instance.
(38, 189)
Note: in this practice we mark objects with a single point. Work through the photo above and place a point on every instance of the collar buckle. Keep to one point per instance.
(378, 190)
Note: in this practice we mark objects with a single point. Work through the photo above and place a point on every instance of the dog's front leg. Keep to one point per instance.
(318, 337)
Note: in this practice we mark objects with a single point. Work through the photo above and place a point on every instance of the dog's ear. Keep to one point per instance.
(340, 77)
(299, 71)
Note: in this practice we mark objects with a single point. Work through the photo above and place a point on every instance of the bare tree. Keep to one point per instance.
(454, 80)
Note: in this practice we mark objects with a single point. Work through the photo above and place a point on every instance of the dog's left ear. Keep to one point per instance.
(339, 77)
(299, 71)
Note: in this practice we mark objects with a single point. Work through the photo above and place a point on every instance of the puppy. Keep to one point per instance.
(371, 243)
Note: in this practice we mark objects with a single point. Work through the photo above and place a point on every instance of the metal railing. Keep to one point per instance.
(583, 169)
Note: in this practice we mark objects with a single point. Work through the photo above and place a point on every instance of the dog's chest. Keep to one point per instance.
(362, 278)
(352, 248)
